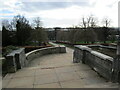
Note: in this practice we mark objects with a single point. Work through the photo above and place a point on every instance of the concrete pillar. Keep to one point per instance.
(11, 64)
(118, 59)
(62, 49)
(75, 56)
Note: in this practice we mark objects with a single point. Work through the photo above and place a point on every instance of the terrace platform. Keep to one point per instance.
(56, 71)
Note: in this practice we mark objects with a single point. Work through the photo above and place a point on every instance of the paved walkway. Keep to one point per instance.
(56, 71)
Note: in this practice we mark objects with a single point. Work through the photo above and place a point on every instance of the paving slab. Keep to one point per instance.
(80, 66)
(64, 69)
(67, 76)
(9, 76)
(45, 79)
(5, 83)
(94, 80)
(51, 85)
(102, 85)
(25, 86)
(44, 71)
(87, 73)
(73, 84)
(19, 82)
(24, 73)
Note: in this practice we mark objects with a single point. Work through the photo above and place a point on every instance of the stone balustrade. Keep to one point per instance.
(105, 65)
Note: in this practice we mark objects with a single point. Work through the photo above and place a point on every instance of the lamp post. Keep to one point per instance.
(116, 62)
(118, 44)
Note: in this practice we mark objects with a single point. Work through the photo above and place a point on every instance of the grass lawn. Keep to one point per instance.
(94, 42)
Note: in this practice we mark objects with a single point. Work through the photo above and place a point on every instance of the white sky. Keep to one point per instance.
(60, 14)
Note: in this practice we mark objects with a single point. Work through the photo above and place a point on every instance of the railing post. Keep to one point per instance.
(76, 55)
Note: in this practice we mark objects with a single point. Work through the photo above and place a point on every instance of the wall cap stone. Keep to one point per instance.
(27, 54)
(83, 47)
(103, 56)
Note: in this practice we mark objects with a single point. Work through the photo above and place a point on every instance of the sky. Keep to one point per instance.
(60, 13)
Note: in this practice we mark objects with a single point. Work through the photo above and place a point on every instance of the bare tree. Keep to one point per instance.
(83, 23)
(39, 34)
(90, 21)
(37, 22)
(106, 22)
(88, 24)
(93, 21)
(106, 30)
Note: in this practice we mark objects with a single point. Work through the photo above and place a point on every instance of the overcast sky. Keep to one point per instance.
(60, 13)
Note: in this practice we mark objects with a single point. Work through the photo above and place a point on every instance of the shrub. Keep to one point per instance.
(8, 49)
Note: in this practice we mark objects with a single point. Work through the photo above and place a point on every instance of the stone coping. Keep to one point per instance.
(97, 54)
(101, 55)
(83, 47)
(110, 47)
(27, 54)
(15, 52)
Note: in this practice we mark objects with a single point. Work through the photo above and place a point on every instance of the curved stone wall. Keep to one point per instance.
(18, 59)
(44, 51)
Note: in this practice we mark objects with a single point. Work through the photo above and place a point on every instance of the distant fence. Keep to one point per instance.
(106, 66)
(18, 59)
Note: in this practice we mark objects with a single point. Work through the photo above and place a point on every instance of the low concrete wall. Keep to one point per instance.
(18, 59)
(101, 63)
(44, 51)
(1, 61)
